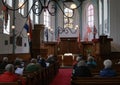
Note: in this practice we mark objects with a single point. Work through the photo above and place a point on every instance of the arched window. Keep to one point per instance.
(90, 16)
(36, 16)
(9, 2)
(31, 12)
(6, 26)
(68, 21)
(88, 36)
(20, 4)
(46, 19)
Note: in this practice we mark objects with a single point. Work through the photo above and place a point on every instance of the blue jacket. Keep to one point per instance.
(91, 64)
(107, 72)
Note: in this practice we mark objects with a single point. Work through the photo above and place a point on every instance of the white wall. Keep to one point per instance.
(114, 29)
(115, 24)
(84, 18)
(8, 48)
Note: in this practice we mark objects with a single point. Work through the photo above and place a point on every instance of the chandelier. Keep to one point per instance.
(42, 5)
(38, 7)
(67, 29)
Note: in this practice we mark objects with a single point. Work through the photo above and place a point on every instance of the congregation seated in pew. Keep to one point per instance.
(40, 77)
(41, 61)
(10, 76)
(51, 59)
(19, 67)
(78, 58)
(107, 75)
(81, 70)
(33, 66)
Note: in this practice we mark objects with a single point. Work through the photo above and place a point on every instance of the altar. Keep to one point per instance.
(67, 60)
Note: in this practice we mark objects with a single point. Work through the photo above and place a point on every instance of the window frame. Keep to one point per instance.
(90, 15)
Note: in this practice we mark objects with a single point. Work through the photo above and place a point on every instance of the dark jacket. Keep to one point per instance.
(3, 64)
(82, 71)
(42, 62)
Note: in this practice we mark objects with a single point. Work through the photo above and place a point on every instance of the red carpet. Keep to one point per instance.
(63, 77)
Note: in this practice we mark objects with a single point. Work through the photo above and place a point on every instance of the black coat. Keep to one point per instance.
(82, 71)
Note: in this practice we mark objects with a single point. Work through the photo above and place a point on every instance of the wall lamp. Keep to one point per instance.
(42, 5)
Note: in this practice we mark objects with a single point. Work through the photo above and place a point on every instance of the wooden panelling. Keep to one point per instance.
(12, 57)
(43, 52)
(37, 36)
(52, 47)
(66, 60)
(37, 41)
(88, 48)
(68, 45)
(103, 46)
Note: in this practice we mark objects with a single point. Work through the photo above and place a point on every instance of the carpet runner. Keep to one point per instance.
(63, 77)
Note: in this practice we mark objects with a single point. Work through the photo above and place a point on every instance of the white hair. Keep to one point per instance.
(50, 56)
(78, 58)
(107, 63)
(90, 58)
(5, 58)
(9, 67)
(81, 63)
(33, 60)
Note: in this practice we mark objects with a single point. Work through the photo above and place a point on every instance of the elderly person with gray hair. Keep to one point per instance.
(33, 66)
(78, 58)
(82, 70)
(10, 76)
(107, 71)
(91, 62)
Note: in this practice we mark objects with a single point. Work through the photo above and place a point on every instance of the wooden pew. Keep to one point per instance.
(32, 77)
(10, 83)
(42, 77)
(96, 80)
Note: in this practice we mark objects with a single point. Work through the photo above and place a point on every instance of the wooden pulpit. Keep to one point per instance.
(37, 41)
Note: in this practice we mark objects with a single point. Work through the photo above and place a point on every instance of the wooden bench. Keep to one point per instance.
(96, 80)
(10, 83)
(42, 77)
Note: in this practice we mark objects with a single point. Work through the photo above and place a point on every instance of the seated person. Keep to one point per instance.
(91, 62)
(38, 58)
(9, 76)
(51, 59)
(4, 63)
(18, 66)
(78, 58)
(41, 61)
(18, 62)
(107, 71)
(33, 66)
(82, 70)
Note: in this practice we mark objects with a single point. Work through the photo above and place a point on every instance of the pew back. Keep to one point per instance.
(97, 80)
(10, 83)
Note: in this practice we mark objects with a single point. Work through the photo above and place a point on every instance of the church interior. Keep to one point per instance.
(64, 29)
